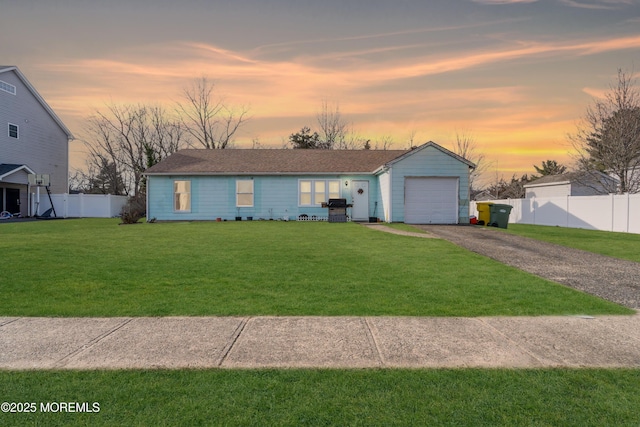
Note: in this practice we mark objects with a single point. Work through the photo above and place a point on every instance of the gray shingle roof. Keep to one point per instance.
(549, 179)
(277, 161)
(580, 177)
(285, 161)
(8, 167)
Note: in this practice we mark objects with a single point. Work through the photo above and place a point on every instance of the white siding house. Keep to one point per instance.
(33, 140)
(427, 184)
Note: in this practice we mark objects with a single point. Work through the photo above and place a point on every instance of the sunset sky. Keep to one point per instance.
(515, 74)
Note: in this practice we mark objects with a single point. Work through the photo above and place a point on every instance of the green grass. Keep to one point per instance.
(95, 267)
(330, 397)
(617, 245)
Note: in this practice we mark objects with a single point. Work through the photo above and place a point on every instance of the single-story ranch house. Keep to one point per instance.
(425, 185)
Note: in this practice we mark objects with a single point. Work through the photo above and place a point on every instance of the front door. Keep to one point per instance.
(360, 197)
(12, 200)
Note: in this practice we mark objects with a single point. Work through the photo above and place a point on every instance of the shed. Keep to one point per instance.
(568, 184)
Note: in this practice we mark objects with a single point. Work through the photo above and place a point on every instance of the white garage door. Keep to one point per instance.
(432, 200)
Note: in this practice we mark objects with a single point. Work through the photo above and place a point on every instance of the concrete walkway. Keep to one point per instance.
(318, 342)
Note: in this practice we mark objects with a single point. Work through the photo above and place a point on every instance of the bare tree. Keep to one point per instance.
(210, 122)
(169, 134)
(125, 140)
(466, 146)
(333, 127)
(412, 138)
(384, 143)
(105, 180)
(608, 139)
(512, 189)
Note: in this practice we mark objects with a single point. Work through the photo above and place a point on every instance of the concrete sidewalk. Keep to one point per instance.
(318, 342)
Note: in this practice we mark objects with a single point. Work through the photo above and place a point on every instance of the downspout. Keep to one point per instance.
(613, 213)
(28, 199)
(146, 197)
(390, 195)
(628, 212)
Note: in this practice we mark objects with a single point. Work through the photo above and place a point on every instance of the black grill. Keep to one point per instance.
(337, 203)
(337, 210)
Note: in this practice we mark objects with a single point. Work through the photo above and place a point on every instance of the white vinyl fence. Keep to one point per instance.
(79, 205)
(607, 213)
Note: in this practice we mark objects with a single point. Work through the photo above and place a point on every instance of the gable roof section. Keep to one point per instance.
(270, 162)
(7, 169)
(283, 161)
(437, 147)
(564, 178)
(34, 92)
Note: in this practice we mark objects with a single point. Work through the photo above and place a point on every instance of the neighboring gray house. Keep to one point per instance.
(428, 184)
(33, 140)
(566, 184)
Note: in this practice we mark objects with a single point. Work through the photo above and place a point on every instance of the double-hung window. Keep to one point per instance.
(182, 196)
(312, 192)
(244, 193)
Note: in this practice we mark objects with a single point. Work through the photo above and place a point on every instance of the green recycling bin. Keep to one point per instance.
(499, 215)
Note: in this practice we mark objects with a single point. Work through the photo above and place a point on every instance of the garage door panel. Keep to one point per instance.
(431, 200)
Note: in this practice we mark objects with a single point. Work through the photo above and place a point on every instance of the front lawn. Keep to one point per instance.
(95, 267)
(617, 245)
(470, 397)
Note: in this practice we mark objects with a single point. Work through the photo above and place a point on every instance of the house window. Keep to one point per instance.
(319, 192)
(305, 193)
(4, 86)
(13, 131)
(334, 189)
(313, 192)
(182, 196)
(244, 193)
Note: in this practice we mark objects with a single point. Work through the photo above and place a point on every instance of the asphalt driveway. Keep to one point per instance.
(609, 278)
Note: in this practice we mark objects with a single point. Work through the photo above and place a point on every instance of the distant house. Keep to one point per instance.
(428, 184)
(483, 195)
(34, 141)
(567, 184)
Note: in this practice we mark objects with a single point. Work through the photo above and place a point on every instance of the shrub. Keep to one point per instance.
(134, 210)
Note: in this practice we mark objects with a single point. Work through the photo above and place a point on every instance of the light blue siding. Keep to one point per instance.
(276, 197)
(213, 197)
(428, 162)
